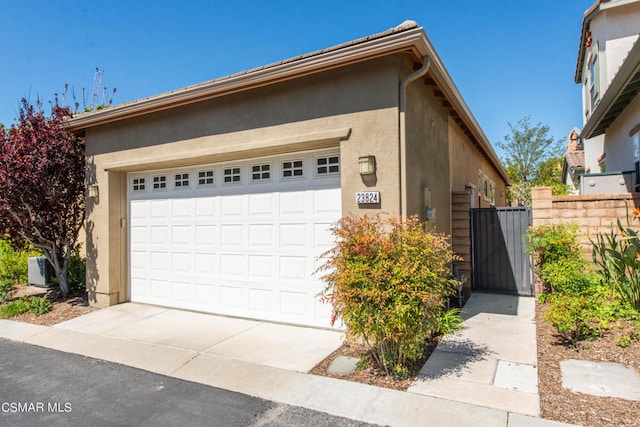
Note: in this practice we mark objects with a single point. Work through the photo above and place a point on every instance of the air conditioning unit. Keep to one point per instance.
(40, 271)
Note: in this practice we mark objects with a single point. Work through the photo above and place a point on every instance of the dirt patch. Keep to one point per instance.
(370, 375)
(62, 309)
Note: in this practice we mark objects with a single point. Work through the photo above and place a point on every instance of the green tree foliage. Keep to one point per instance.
(530, 158)
(549, 172)
(388, 281)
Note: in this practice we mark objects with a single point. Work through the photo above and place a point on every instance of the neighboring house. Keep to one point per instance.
(219, 197)
(573, 165)
(608, 68)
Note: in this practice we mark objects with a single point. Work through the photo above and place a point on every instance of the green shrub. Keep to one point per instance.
(77, 272)
(554, 242)
(573, 316)
(579, 317)
(14, 263)
(14, 308)
(40, 305)
(7, 288)
(388, 281)
(569, 276)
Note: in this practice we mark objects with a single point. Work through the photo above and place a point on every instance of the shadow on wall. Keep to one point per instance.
(91, 252)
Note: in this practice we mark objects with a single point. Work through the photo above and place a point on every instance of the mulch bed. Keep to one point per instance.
(560, 404)
(371, 375)
(62, 309)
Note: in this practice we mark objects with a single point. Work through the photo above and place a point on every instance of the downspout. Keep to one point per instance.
(426, 63)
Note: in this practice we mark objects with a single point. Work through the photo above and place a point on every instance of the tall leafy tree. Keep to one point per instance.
(526, 149)
(42, 185)
(549, 172)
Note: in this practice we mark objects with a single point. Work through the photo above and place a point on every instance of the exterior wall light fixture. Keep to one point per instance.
(367, 165)
(94, 192)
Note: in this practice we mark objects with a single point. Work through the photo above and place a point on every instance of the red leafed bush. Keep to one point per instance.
(388, 281)
(42, 185)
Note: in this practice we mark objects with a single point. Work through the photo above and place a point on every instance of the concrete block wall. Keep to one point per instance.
(593, 213)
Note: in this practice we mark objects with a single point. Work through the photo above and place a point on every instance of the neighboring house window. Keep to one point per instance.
(594, 75)
(485, 188)
(261, 172)
(231, 175)
(205, 177)
(328, 165)
(138, 184)
(182, 180)
(159, 182)
(492, 193)
(292, 168)
(602, 163)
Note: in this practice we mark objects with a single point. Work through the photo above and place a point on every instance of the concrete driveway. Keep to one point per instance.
(178, 334)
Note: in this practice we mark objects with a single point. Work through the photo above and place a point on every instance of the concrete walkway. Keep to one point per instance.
(255, 358)
(493, 362)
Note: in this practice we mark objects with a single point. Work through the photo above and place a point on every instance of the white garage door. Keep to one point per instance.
(241, 238)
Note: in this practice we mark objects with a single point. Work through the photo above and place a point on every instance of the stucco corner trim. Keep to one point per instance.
(214, 152)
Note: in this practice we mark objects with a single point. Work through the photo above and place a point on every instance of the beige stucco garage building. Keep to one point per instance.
(219, 197)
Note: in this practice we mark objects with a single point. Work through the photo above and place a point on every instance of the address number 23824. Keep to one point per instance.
(366, 197)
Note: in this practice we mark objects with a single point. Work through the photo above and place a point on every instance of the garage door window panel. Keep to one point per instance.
(181, 181)
(261, 173)
(232, 175)
(293, 169)
(205, 178)
(327, 165)
(160, 182)
(139, 185)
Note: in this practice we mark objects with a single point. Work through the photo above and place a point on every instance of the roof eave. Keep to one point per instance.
(409, 40)
(413, 40)
(625, 74)
(460, 106)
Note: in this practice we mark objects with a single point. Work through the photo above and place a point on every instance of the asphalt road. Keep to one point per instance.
(39, 386)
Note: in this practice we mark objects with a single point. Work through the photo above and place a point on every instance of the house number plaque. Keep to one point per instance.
(368, 197)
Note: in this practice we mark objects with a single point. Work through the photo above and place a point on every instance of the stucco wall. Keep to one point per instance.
(619, 144)
(466, 161)
(613, 32)
(593, 149)
(427, 156)
(354, 108)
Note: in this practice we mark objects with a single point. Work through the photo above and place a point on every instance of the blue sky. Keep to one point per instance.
(509, 59)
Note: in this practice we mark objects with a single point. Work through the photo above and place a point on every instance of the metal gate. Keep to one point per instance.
(500, 256)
